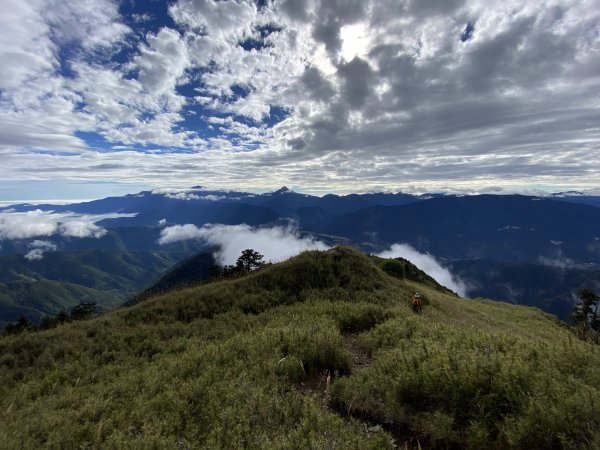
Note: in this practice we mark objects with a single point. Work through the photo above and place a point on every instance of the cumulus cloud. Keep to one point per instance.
(428, 264)
(38, 248)
(276, 243)
(346, 96)
(36, 223)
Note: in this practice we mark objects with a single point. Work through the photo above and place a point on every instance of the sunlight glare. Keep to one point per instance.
(355, 41)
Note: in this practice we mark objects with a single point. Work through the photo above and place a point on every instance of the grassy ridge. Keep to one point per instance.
(244, 363)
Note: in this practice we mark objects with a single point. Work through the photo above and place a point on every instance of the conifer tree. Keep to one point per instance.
(585, 312)
(249, 260)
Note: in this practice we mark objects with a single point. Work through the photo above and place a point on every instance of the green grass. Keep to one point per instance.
(243, 364)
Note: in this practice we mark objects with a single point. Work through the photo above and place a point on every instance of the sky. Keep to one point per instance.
(101, 97)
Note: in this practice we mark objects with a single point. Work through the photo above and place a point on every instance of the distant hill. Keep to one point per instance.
(501, 228)
(189, 272)
(550, 288)
(560, 229)
(64, 279)
(200, 206)
(320, 351)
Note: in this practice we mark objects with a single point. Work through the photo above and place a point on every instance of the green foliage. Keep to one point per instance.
(585, 313)
(62, 280)
(243, 363)
(23, 324)
(394, 268)
(189, 272)
(405, 270)
(291, 367)
(85, 310)
(249, 260)
(453, 385)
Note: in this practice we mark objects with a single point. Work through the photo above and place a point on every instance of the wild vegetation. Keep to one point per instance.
(321, 351)
(62, 280)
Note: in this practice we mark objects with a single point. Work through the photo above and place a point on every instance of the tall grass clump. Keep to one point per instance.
(460, 387)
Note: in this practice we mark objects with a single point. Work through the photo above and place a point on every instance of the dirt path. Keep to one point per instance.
(359, 358)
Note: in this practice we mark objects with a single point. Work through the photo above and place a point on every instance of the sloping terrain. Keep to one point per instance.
(500, 228)
(62, 280)
(191, 271)
(321, 351)
(467, 232)
(550, 288)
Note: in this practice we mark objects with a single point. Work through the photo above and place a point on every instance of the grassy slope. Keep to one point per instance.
(244, 363)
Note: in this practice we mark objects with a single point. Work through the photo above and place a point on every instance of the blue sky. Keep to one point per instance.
(100, 97)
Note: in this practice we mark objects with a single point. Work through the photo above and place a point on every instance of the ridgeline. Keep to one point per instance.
(320, 351)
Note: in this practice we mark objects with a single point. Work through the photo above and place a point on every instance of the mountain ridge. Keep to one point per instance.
(321, 350)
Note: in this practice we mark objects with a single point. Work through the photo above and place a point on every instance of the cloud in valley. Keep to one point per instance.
(37, 249)
(276, 243)
(428, 264)
(37, 223)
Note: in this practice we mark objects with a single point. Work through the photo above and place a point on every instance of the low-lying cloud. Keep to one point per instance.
(560, 261)
(38, 248)
(276, 243)
(38, 223)
(428, 264)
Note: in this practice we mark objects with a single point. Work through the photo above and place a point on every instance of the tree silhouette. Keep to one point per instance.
(585, 312)
(249, 260)
(84, 311)
(22, 324)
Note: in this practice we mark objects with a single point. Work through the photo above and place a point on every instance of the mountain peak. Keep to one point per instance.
(282, 190)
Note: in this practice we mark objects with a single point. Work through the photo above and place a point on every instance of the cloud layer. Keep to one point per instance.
(276, 243)
(349, 95)
(429, 265)
(38, 248)
(37, 223)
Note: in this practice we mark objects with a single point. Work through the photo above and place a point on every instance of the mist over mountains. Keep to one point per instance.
(471, 239)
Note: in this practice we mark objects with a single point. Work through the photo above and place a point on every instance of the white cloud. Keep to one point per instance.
(36, 223)
(161, 64)
(38, 248)
(276, 244)
(183, 196)
(216, 198)
(428, 264)
(559, 261)
(374, 93)
(27, 225)
(81, 228)
(93, 23)
(225, 20)
(178, 233)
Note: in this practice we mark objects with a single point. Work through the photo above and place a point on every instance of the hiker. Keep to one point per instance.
(416, 303)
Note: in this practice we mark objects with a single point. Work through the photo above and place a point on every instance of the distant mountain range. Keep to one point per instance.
(479, 237)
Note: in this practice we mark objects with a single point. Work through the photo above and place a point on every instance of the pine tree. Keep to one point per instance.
(249, 260)
(585, 312)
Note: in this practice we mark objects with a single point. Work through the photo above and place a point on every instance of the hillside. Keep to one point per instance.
(191, 271)
(467, 232)
(321, 351)
(550, 288)
(62, 280)
(508, 228)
